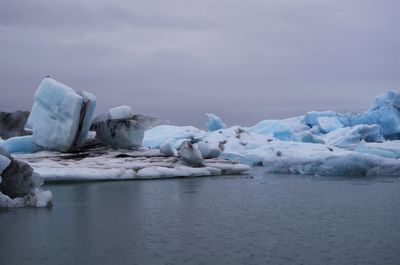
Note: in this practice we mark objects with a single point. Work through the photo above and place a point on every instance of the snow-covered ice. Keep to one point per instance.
(352, 136)
(324, 142)
(207, 151)
(60, 116)
(104, 163)
(120, 112)
(174, 135)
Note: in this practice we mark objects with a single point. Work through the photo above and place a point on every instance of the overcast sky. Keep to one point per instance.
(243, 60)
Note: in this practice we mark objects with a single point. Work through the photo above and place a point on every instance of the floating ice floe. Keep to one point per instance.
(325, 143)
(60, 116)
(104, 163)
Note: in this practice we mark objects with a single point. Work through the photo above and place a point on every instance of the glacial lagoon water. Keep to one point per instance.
(254, 219)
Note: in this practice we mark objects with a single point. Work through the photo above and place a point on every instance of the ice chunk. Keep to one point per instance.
(175, 135)
(190, 155)
(119, 128)
(275, 128)
(390, 98)
(18, 179)
(387, 117)
(351, 136)
(20, 185)
(207, 151)
(60, 116)
(167, 149)
(120, 112)
(308, 137)
(21, 144)
(385, 112)
(324, 121)
(36, 198)
(214, 123)
(4, 163)
(328, 124)
(13, 123)
(389, 149)
(120, 133)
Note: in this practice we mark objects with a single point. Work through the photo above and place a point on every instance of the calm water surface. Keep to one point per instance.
(263, 219)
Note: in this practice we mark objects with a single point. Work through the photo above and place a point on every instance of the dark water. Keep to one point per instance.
(268, 219)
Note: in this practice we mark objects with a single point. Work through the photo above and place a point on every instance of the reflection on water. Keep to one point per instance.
(267, 219)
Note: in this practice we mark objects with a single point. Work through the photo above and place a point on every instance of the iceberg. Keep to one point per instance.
(60, 116)
(385, 112)
(214, 123)
(120, 128)
(13, 123)
(319, 142)
(20, 185)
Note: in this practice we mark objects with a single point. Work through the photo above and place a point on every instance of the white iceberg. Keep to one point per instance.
(60, 116)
